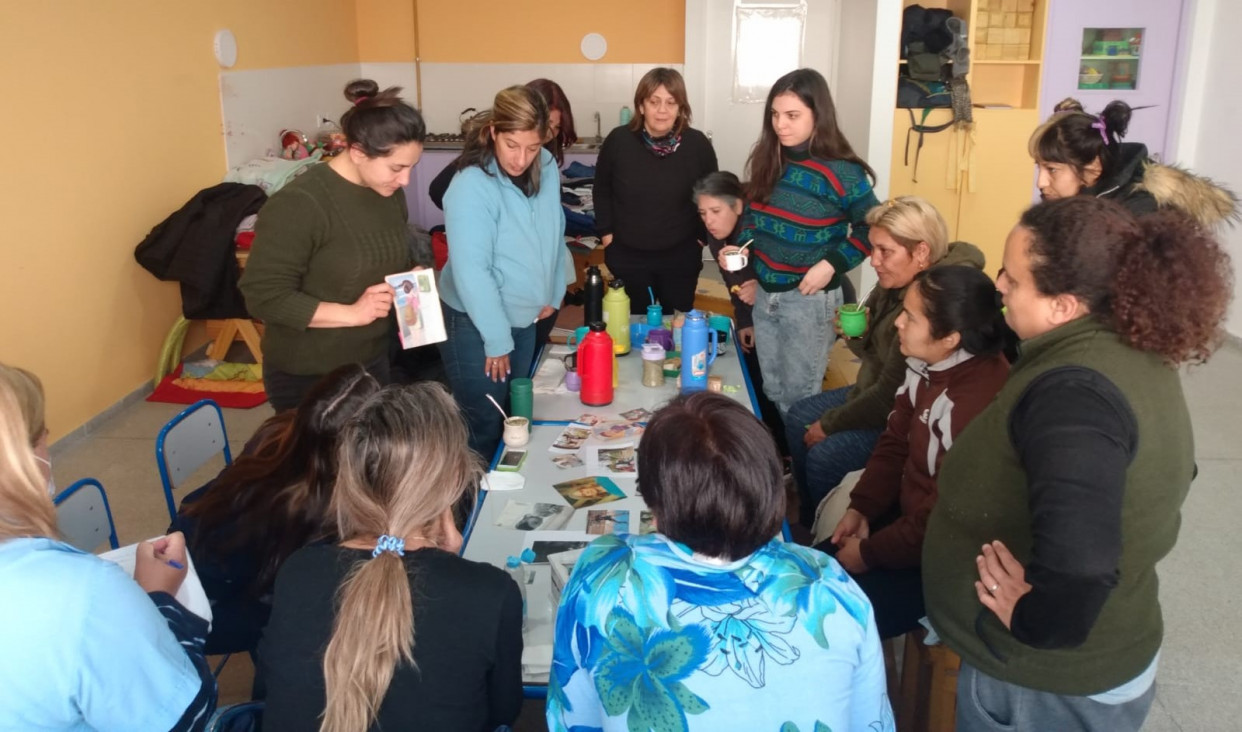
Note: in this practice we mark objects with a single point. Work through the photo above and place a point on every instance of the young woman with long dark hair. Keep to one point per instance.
(809, 194)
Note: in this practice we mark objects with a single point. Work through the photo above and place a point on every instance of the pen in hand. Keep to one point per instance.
(175, 564)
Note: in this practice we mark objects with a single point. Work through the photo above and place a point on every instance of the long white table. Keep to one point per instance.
(487, 542)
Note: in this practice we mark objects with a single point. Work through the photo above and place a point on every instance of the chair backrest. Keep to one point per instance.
(84, 517)
(244, 717)
(189, 440)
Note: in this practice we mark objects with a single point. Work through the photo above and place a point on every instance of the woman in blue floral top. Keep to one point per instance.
(713, 623)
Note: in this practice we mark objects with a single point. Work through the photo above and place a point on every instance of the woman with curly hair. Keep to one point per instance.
(1073, 479)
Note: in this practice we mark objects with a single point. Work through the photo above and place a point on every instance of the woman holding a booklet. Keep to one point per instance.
(506, 266)
(86, 646)
(324, 244)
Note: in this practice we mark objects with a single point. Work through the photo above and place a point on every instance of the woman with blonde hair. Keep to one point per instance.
(29, 392)
(92, 648)
(832, 434)
(644, 215)
(390, 628)
(506, 267)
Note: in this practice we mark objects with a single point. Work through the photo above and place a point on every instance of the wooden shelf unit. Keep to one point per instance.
(1002, 171)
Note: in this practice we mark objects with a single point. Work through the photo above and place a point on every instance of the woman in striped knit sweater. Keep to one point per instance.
(809, 195)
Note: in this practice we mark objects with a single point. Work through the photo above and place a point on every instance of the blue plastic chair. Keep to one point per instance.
(84, 517)
(188, 441)
(244, 717)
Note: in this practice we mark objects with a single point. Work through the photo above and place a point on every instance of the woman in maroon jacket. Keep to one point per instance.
(951, 331)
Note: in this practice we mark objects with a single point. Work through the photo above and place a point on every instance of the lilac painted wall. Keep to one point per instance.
(1161, 21)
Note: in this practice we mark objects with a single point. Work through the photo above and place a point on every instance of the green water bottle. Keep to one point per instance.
(522, 398)
(617, 316)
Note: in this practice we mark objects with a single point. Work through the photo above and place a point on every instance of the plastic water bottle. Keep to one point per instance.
(696, 359)
(617, 316)
(626, 115)
(513, 565)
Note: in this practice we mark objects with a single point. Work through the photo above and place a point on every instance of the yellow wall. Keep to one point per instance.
(549, 31)
(112, 121)
(386, 31)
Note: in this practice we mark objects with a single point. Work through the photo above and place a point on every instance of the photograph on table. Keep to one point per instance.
(533, 516)
(543, 543)
(584, 492)
(602, 521)
(636, 415)
(571, 438)
(613, 459)
(612, 431)
(565, 462)
(589, 419)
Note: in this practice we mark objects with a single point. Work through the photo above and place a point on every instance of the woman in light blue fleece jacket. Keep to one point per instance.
(506, 267)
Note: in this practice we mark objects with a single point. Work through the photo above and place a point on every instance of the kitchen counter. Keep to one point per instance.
(591, 147)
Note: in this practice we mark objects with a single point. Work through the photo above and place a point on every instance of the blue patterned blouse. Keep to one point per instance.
(650, 637)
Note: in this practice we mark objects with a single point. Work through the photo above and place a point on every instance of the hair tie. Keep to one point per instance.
(1102, 126)
(360, 100)
(388, 543)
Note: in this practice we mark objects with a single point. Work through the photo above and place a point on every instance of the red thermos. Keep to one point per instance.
(595, 360)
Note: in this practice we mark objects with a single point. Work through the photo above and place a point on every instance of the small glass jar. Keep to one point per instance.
(653, 365)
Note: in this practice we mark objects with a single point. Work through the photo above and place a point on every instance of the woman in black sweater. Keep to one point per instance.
(643, 211)
(390, 628)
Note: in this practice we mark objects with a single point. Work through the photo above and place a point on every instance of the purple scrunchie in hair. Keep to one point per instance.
(1102, 126)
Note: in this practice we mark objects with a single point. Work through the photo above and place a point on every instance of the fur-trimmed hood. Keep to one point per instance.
(1207, 202)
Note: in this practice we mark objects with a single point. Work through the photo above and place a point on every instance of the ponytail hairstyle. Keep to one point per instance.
(25, 508)
(274, 499)
(1074, 138)
(404, 462)
(961, 299)
(515, 109)
(766, 162)
(379, 121)
(1162, 282)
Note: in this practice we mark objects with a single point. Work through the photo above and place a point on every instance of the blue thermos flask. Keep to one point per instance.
(696, 359)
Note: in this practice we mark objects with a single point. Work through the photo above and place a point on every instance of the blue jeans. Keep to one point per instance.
(985, 704)
(793, 334)
(822, 467)
(463, 363)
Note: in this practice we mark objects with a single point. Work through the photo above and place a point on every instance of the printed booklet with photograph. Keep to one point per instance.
(420, 321)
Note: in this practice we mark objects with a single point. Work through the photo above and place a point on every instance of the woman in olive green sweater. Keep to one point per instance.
(1072, 480)
(323, 245)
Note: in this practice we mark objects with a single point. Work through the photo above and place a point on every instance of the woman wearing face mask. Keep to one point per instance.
(951, 332)
(643, 212)
(1073, 478)
(323, 245)
(29, 392)
(809, 194)
(720, 201)
(832, 434)
(1080, 154)
(507, 263)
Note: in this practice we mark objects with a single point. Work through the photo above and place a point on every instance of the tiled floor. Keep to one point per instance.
(1200, 591)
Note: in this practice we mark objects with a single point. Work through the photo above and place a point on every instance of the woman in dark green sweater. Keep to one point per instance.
(1073, 479)
(324, 244)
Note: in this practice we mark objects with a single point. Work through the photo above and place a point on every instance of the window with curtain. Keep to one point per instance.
(767, 43)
